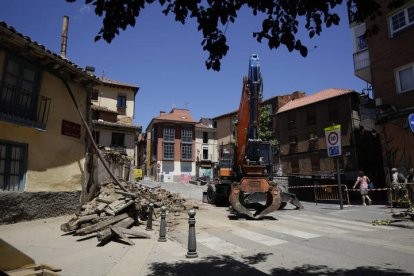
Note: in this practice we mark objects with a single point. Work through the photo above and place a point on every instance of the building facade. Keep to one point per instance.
(42, 137)
(171, 155)
(206, 148)
(386, 61)
(113, 115)
(301, 133)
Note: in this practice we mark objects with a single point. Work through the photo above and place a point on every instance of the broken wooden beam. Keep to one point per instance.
(117, 231)
(100, 225)
(74, 224)
(106, 234)
(117, 206)
(131, 195)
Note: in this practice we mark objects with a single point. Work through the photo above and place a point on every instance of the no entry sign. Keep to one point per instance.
(333, 140)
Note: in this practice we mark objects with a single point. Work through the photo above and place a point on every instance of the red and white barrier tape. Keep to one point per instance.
(326, 186)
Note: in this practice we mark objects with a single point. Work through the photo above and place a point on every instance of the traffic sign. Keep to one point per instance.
(333, 140)
(411, 121)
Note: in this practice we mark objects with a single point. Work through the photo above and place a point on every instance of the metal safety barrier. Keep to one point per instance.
(401, 194)
(330, 193)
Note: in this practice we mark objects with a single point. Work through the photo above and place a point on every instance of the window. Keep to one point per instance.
(405, 78)
(19, 88)
(121, 105)
(118, 139)
(168, 151)
(168, 134)
(121, 101)
(205, 154)
(401, 19)
(315, 161)
(205, 137)
(311, 117)
(186, 143)
(362, 43)
(291, 121)
(96, 136)
(187, 135)
(13, 160)
(186, 151)
(293, 144)
(313, 141)
(95, 95)
(333, 116)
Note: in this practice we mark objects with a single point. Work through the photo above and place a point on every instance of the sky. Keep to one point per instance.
(165, 58)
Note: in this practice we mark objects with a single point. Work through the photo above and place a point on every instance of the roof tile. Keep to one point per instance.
(317, 97)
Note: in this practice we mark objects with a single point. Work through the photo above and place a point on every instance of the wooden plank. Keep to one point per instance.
(100, 225)
(106, 234)
(24, 272)
(104, 200)
(118, 206)
(131, 195)
(119, 233)
(135, 233)
(100, 207)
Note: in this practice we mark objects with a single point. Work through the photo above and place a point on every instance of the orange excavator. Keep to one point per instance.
(246, 179)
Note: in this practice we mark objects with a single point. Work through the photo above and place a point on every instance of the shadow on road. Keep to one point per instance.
(227, 265)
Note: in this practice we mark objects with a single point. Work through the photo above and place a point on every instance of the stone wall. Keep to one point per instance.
(16, 206)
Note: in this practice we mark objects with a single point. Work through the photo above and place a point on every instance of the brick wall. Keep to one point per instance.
(386, 54)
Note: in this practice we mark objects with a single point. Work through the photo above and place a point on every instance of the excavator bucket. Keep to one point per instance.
(254, 197)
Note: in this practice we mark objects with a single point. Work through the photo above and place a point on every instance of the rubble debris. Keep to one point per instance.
(112, 212)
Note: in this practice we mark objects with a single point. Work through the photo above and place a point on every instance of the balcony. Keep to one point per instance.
(206, 157)
(23, 107)
(352, 13)
(121, 110)
(118, 148)
(362, 65)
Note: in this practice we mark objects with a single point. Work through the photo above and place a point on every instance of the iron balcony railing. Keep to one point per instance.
(23, 107)
(352, 12)
(206, 157)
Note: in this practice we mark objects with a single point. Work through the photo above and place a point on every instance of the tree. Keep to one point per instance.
(280, 26)
(266, 127)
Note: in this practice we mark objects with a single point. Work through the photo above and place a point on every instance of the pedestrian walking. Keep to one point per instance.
(362, 181)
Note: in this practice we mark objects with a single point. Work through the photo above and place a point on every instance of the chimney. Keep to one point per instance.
(90, 70)
(162, 112)
(65, 27)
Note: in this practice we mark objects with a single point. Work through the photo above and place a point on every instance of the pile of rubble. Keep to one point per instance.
(112, 213)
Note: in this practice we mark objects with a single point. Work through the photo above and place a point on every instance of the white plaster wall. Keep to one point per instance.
(108, 97)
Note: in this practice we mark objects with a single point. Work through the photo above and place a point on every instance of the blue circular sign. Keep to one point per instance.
(411, 121)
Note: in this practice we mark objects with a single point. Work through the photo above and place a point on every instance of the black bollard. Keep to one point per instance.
(149, 218)
(163, 225)
(192, 245)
